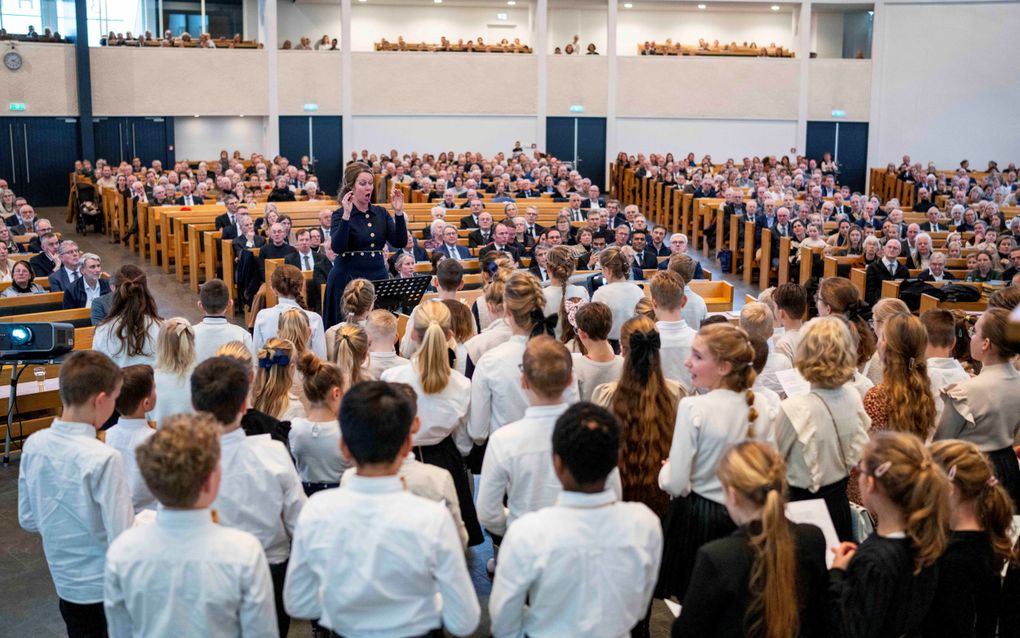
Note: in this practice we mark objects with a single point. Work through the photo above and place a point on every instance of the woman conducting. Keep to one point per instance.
(362, 232)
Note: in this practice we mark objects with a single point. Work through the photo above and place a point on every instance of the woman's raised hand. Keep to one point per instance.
(397, 200)
(348, 204)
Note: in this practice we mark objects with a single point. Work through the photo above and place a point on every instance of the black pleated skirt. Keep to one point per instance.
(836, 502)
(690, 522)
(446, 455)
(1007, 470)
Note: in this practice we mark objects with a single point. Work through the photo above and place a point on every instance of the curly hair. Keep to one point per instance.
(911, 406)
(825, 355)
(179, 457)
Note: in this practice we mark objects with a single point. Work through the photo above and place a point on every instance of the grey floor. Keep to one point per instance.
(28, 601)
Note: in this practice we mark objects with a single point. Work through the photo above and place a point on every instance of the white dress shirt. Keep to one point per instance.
(124, 437)
(621, 297)
(260, 491)
(695, 310)
(676, 338)
(183, 575)
(707, 426)
(944, 372)
(316, 449)
(105, 340)
(427, 481)
(173, 395)
(379, 362)
(518, 464)
(787, 344)
(496, 394)
(267, 325)
(370, 558)
(586, 566)
(491, 336)
(591, 374)
(768, 378)
(91, 293)
(443, 413)
(212, 333)
(72, 490)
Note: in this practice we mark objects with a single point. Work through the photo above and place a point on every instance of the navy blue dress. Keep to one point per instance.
(358, 244)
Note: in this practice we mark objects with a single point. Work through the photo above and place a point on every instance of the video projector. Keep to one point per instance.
(20, 341)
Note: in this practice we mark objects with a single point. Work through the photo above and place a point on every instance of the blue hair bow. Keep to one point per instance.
(278, 359)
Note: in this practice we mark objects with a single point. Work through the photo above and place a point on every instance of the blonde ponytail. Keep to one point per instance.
(432, 327)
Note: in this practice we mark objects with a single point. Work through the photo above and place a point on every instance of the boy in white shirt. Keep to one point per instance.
(676, 336)
(260, 491)
(381, 328)
(370, 558)
(943, 369)
(791, 307)
(137, 397)
(756, 320)
(695, 309)
(215, 329)
(599, 364)
(211, 580)
(73, 491)
(518, 458)
(587, 536)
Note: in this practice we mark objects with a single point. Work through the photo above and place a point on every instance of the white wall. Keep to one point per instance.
(721, 139)
(944, 97)
(435, 134)
(204, 137)
(589, 23)
(827, 34)
(687, 26)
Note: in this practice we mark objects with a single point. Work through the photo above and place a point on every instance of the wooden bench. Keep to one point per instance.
(27, 304)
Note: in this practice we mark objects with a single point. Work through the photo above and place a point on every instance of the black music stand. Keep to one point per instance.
(398, 295)
(8, 359)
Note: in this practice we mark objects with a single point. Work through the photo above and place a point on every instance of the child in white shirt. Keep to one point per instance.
(137, 397)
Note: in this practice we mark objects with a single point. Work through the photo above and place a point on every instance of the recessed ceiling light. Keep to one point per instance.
(512, 3)
(241, 115)
(438, 1)
(627, 5)
(196, 116)
(775, 7)
(701, 6)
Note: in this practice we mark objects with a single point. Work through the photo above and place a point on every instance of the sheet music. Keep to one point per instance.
(792, 382)
(814, 512)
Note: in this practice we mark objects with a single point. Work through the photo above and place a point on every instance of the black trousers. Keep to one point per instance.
(83, 621)
(435, 633)
(278, 572)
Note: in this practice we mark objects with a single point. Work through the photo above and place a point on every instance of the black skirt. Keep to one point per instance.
(836, 502)
(446, 455)
(690, 522)
(1007, 470)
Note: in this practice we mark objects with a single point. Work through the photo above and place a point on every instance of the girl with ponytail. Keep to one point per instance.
(560, 263)
(314, 439)
(903, 400)
(885, 586)
(274, 377)
(619, 293)
(496, 332)
(443, 400)
(768, 579)
(645, 403)
(838, 297)
(356, 303)
(984, 410)
(351, 352)
(721, 365)
(968, 598)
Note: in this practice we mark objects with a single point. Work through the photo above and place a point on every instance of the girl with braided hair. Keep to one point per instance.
(767, 579)
(356, 302)
(619, 293)
(721, 365)
(560, 263)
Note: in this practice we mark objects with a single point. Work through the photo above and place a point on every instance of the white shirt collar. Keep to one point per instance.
(375, 484)
(183, 519)
(545, 411)
(582, 500)
(214, 320)
(132, 424)
(74, 427)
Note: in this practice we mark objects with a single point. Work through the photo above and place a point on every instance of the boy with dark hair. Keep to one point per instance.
(536, 591)
(943, 369)
(72, 489)
(137, 397)
(369, 558)
(449, 280)
(211, 580)
(260, 491)
(791, 309)
(215, 329)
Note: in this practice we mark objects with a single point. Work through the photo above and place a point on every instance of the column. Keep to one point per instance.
(541, 48)
(804, 55)
(346, 82)
(611, 86)
(877, 70)
(268, 36)
(83, 72)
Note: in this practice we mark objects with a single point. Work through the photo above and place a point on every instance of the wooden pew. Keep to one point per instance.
(28, 304)
(78, 317)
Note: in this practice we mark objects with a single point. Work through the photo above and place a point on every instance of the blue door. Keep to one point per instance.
(580, 141)
(318, 137)
(848, 143)
(41, 153)
(121, 139)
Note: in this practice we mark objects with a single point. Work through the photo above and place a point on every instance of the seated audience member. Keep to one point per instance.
(215, 329)
(538, 263)
(986, 268)
(820, 435)
(272, 391)
(501, 242)
(676, 336)
(678, 246)
(768, 578)
(346, 536)
(694, 310)
(277, 246)
(22, 281)
(314, 439)
(969, 597)
(885, 586)
(886, 269)
(48, 260)
(289, 284)
(534, 591)
(518, 463)
(983, 410)
(260, 491)
(307, 260)
(181, 465)
(175, 359)
(596, 364)
(73, 491)
(137, 397)
(619, 293)
(128, 334)
(62, 278)
(381, 328)
(89, 286)
(450, 246)
(936, 270)
(1014, 260)
(246, 238)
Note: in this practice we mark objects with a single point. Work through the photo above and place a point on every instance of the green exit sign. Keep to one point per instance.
(17, 106)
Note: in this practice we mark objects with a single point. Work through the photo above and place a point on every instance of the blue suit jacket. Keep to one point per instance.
(75, 297)
(59, 280)
(461, 250)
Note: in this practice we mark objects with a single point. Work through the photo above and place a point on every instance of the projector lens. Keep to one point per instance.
(20, 336)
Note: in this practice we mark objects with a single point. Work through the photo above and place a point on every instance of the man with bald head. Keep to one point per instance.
(886, 269)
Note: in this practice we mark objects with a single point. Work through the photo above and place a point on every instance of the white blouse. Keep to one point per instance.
(621, 297)
(443, 413)
(106, 341)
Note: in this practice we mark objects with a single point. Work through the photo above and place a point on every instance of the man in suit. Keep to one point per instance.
(678, 244)
(1014, 260)
(326, 224)
(644, 255)
(227, 218)
(90, 286)
(593, 201)
(574, 208)
(908, 247)
(471, 221)
(483, 235)
(188, 198)
(48, 259)
(306, 259)
(840, 209)
(101, 307)
(537, 267)
(766, 219)
(410, 248)
(525, 191)
(42, 226)
(67, 274)
(450, 247)
(933, 225)
(885, 269)
(247, 239)
(23, 221)
(232, 231)
(936, 270)
(531, 226)
(501, 242)
(829, 186)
